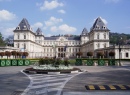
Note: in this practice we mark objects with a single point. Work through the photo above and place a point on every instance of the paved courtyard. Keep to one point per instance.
(13, 81)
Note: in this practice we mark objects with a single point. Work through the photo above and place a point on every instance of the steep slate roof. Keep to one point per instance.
(24, 24)
(99, 25)
(69, 38)
(50, 38)
(39, 32)
(84, 32)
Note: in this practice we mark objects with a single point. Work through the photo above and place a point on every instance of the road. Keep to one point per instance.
(12, 81)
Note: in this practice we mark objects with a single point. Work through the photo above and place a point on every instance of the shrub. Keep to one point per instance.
(42, 62)
(66, 62)
(58, 61)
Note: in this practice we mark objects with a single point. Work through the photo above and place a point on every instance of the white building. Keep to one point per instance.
(40, 46)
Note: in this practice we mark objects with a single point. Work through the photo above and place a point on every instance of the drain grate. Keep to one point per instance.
(17, 93)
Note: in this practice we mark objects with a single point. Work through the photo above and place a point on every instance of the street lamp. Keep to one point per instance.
(120, 51)
(54, 46)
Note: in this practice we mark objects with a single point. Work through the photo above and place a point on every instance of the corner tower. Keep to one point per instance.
(99, 34)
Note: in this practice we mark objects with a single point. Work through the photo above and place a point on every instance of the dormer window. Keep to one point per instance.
(18, 28)
(24, 27)
(97, 27)
(104, 27)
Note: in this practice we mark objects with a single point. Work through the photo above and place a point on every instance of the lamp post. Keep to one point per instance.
(120, 51)
(54, 46)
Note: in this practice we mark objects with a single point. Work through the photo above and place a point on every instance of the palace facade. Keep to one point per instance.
(38, 45)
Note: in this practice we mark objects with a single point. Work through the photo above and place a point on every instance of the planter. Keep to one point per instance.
(20, 63)
(101, 62)
(78, 62)
(8, 62)
(90, 62)
(2, 63)
(26, 62)
(14, 62)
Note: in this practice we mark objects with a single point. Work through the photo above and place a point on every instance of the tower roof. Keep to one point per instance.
(84, 32)
(23, 25)
(39, 32)
(99, 25)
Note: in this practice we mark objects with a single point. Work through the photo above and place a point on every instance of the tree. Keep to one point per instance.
(2, 54)
(8, 54)
(19, 54)
(89, 53)
(112, 53)
(9, 40)
(14, 53)
(79, 54)
(100, 54)
(25, 54)
(2, 43)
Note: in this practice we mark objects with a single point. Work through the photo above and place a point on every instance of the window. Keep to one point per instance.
(24, 46)
(105, 45)
(18, 36)
(127, 55)
(104, 36)
(98, 45)
(24, 36)
(97, 36)
(18, 45)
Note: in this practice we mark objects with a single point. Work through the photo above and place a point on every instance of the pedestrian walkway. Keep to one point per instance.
(107, 87)
(46, 84)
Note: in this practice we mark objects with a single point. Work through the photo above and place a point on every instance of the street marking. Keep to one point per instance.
(112, 87)
(107, 87)
(102, 87)
(91, 87)
(45, 83)
(121, 86)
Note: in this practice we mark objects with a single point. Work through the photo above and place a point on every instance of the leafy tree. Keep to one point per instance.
(100, 54)
(14, 53)
(25, 54)
(19, 54)
(112, 53)
(89, 53)
(2, 54)
(2, 43)
(8, 54)
(9, 40)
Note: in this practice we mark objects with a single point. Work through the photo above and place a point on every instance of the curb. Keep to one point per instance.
(38, 72)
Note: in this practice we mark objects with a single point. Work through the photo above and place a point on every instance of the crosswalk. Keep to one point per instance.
(47, 84)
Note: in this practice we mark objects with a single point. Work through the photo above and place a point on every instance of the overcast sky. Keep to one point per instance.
(64, 16)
